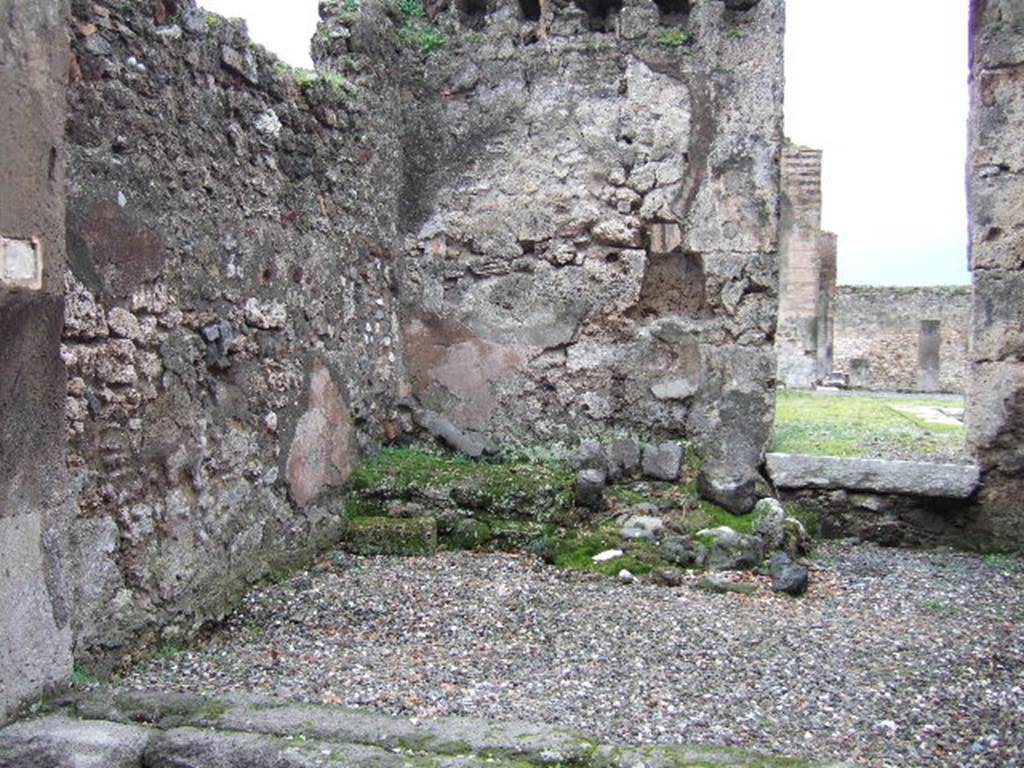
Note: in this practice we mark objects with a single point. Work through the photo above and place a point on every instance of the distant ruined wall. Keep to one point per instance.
(230, 330)
(903, 339)
(807, 274)
(591, 211)
(35, 508)
(995, 413)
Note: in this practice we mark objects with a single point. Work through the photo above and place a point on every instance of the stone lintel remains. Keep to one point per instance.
(910, 478)
(807, 274)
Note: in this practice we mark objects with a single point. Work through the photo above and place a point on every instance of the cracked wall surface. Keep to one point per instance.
(995, 410)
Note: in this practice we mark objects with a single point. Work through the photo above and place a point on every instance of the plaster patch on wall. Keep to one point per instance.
(21, 263)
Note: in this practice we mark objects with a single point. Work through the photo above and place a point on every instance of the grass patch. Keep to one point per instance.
(83, 679)
(168, 651)
(576, 550)
(1005, 562)
(672, 38)
(939, 607)
(825, 424)
(512, 489)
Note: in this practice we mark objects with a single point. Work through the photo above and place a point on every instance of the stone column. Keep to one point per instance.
(995, 169)
(35, 514)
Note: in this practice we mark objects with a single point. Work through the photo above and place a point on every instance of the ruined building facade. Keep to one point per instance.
(902, 339)
(562, 221)
(876, 338)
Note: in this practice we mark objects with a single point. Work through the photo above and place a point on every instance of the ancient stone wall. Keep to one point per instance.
(807, 274)
(995, 413)
(592, 205)
(35, 508)
(230, 332)
(903, 339)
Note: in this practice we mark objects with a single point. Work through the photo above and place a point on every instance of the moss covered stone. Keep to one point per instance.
(391, 536)
(521, 490)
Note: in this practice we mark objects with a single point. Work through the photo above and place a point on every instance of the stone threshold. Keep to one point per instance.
(909, 478)
(135, 729)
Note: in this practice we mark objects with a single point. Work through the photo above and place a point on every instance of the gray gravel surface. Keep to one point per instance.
(893, 658)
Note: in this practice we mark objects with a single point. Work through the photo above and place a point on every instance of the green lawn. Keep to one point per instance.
(868, 425)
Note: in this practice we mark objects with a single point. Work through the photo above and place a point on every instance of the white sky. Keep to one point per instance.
(879, 85)
(282, 26)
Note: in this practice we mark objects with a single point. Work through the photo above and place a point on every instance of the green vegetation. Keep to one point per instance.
(673, 38)
(80, 678)
(213, 20)
(826, 424)
(940, 607)
(391, 536)
(513, 504)
(808, 517)
(344, 8)
(168, 651)
(510, 489)
(316, 85)
(1005, 561)
(415, 28)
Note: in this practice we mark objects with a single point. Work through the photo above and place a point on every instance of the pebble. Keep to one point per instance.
(891, 658)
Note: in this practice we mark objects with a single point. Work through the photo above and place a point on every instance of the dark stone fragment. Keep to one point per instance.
(735, 491)
(590, 484)
(683, 551)
(787, 576)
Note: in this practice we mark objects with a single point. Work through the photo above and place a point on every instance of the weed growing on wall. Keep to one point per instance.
(675, 39)
(415, 29)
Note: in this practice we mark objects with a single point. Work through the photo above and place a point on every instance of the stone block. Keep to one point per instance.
(912, 478)
(623, 458)
(63, 742)
(663, 461)
(729, 486)
(589, 492)
(21, 263)
(997, 205)
(994, 131)
(391, 536)
(35, 651)
(998, 327)
(993, 407)
(322, 454)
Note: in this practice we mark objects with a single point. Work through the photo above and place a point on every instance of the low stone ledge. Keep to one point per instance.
(911, 478)
(126, 729)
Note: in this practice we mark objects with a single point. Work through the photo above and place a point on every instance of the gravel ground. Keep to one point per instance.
(893, 658)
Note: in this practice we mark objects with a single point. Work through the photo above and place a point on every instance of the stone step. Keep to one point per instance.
(113, 728)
